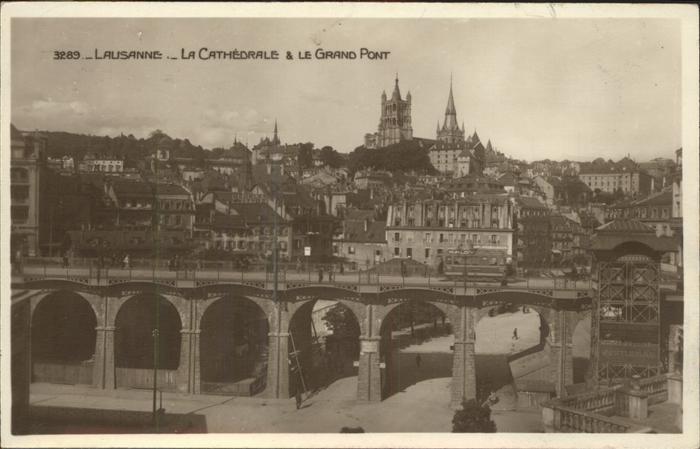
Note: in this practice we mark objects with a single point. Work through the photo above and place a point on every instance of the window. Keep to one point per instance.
(397, 236)
(351, 250)
(397, 251)
(409, 252)
(427, 253)
(19, 213)
(494, 239)
(442, 238)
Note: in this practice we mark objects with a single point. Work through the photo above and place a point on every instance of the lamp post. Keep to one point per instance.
(156, 330)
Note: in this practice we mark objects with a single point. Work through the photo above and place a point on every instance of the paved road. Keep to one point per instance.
(345, 278)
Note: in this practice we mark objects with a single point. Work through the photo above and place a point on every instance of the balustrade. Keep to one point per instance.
(572, 420)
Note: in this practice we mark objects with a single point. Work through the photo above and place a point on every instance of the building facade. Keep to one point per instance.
(362, 241)
(426, 230)
(628, 181)
(27, 164)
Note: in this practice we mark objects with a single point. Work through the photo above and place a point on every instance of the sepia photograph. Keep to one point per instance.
(258, 220)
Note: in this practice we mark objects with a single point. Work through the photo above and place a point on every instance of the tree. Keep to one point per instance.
(306, 155)
(330, 157)
(341, 321)
(473, 418)
(405, 156)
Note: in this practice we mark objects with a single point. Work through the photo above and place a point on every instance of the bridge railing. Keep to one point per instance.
(568, 419)
(229, 271)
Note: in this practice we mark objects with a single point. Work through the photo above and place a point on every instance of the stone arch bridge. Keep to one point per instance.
(561, 307)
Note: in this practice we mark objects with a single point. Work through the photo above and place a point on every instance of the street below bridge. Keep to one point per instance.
(326, 410)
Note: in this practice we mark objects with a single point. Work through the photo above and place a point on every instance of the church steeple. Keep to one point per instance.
(450, 109)
(450, 133)
(451, 112)
(275, 138)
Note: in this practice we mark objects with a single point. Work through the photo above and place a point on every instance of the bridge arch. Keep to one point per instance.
(416, 338)
(326, 350)
(233, 346)
(511, 355)
(134, 350)
(63, 338)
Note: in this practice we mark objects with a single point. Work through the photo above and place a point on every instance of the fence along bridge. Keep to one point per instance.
(369, 296)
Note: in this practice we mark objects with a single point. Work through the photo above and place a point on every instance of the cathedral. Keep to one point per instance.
(452, 153)
(394, 122)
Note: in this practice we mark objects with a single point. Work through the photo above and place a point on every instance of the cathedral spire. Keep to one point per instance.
(451, 112)
(397, 93)
(450, 102)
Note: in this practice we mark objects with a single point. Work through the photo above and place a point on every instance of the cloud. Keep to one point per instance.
(218, 127)
(79, 116)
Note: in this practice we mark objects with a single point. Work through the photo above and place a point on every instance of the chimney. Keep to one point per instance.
(366, 224)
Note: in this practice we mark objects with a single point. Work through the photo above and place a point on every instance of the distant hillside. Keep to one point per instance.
(128, 148)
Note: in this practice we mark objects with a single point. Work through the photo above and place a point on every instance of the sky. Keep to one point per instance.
(537, 88)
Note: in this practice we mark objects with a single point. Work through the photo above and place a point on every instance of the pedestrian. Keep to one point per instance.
(65, 259)
(418, 360)
(125, 262)
(298, 264)
(320, 274)
(342, 268)
(515, 334)
(331, 273)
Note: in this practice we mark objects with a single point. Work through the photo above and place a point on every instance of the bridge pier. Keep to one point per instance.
(369, 373)
(463, 360)
(559, 345)
(369, 383)
(103, 367)
(188, 378)
(278, 353)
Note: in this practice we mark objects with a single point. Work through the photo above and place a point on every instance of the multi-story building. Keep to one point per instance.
(394, 120)
(136, 203)
(27, 165)
(246, 229)
(362, 239)
(94, 163)
(534, 239)
(656, 211)
(425, 230)
(567, 240)
(634, 182)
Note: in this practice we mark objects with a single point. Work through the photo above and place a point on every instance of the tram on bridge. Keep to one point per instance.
(477, 264)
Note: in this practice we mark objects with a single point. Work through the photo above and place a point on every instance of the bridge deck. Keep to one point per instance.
(358, 281)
